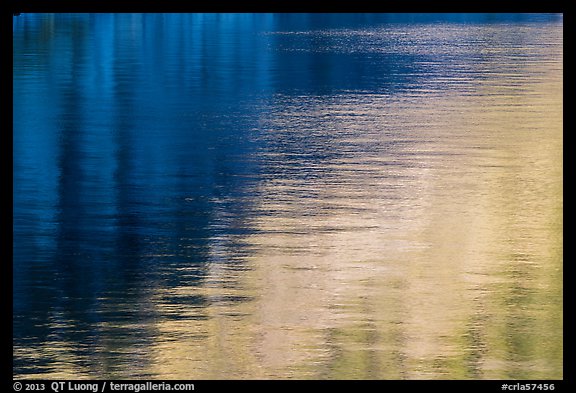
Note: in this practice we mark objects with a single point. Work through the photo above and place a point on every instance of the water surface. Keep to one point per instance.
(245, 196)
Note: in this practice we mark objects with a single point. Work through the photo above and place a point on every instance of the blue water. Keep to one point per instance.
(214, 195)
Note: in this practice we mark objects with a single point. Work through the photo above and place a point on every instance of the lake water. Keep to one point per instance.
(260, 196)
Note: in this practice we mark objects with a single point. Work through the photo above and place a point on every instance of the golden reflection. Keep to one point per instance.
(446, 263)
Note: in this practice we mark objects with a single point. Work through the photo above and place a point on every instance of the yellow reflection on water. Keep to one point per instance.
(443, 262)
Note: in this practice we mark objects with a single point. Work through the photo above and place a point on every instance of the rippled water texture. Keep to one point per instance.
(288, 196)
